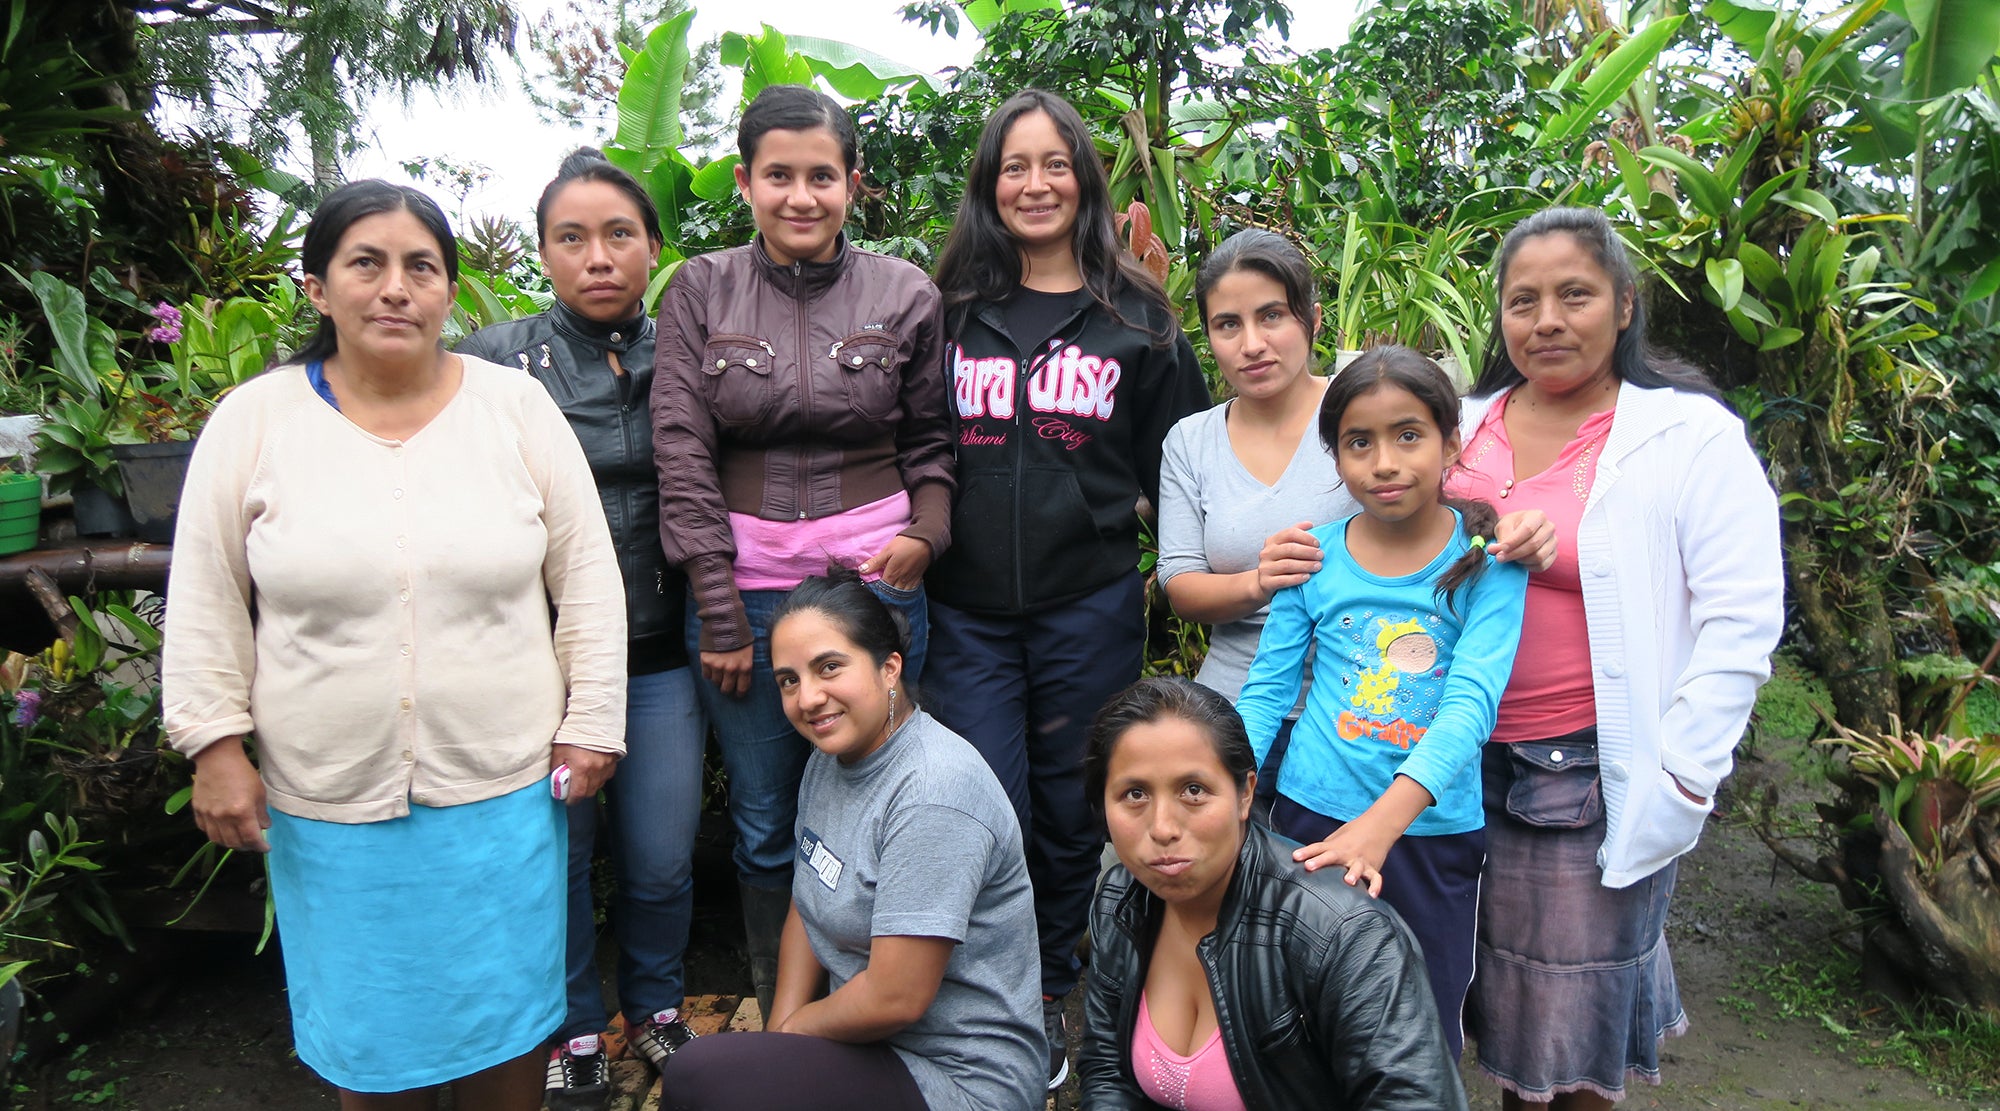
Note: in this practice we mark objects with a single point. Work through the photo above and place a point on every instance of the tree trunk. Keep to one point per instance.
(1839, 600)
(1952, 911)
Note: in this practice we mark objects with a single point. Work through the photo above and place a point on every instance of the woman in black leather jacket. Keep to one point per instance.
(1228, 977)
(593, 351)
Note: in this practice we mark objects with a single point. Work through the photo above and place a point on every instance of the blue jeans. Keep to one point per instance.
(764, 756)
(654, 804)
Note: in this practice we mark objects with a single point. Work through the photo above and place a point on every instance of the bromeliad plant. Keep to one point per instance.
(1926, 784)
(1928, 848)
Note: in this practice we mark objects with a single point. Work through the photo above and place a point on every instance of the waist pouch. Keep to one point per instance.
(1553, 784)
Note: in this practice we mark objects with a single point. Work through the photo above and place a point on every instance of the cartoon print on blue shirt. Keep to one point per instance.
(1400, 648)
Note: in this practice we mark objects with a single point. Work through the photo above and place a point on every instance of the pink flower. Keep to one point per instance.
(169, 330)
(27, 708)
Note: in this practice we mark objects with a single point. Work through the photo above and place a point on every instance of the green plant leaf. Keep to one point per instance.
(983, 14)
(649, 100)
(1755, 310)
(479, 301)
(1809, 201)
(1730, 176)
(1983, 285)
(854, 72)
(88, 642)
(766, 59)
(1725, 277)
(1610, 80)
(716, 181)
(1760, 268)
(1956, 43)
(1696, 180)
(1753, 205)
(1633, 175)
(69, 328)
(142, 630)
(1780, 337)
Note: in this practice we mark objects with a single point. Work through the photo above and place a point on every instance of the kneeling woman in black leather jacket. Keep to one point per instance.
(1228, 977)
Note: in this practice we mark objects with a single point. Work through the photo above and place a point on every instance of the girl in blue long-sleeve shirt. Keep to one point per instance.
(1412, 632)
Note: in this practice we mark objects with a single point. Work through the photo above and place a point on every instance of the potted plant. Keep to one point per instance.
(23, 393)
(20, 507)
(212, 346)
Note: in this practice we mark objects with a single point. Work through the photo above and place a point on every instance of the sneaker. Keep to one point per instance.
(1058, 1035)
(578, 1078)
(661, 1036)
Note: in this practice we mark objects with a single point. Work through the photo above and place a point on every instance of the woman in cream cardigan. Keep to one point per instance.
(391, 565)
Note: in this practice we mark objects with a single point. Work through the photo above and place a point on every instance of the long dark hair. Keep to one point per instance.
(1270, 254)
(982, 260)
(794, 108)
(342, 209)
(1152, 700)
(1412, 372)
(589, 164)
(1633, 360)
(874, 626)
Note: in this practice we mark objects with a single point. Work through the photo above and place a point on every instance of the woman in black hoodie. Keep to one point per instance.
(1068, 367)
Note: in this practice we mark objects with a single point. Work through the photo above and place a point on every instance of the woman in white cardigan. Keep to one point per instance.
(1642, 649)
(392, 565)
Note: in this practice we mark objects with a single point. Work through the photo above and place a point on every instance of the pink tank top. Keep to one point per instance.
(1198, 1083)
(1550, 692)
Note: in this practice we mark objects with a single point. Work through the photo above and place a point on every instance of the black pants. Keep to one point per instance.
(781, 1072)
(1023, 690)
(1433, 882)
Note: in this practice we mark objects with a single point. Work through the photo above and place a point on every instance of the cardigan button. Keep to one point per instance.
(1601, 568)
(1613, 771)
(1614, 669)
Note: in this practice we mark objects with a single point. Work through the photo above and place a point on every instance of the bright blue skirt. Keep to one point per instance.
(425, 948)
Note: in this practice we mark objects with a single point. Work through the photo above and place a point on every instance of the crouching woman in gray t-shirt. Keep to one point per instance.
(907, 978)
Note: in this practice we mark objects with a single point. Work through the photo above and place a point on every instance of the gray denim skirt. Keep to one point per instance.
(1574, 989)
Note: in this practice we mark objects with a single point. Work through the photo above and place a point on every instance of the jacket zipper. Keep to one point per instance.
(623, 381)
(1020, 600)
(805, 378)
(1025, 372)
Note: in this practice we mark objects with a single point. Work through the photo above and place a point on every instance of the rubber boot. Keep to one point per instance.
(764, 911)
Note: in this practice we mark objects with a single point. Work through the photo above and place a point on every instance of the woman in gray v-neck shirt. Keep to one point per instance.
(1240, 483)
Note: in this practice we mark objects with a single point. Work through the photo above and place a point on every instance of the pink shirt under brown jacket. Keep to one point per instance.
(793, 393)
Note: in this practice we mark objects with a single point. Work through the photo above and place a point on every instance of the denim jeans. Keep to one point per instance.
(764, 756)
(654, 806)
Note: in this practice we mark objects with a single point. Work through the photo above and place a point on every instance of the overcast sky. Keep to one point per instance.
(496, 125)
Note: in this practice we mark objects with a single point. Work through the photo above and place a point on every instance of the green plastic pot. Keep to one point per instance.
(20, 512)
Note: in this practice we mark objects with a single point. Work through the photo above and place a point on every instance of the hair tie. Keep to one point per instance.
(1480, 543)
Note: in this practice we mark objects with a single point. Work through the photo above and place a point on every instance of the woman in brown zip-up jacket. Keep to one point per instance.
(798, 419)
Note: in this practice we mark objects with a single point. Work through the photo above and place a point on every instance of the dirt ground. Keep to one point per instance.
(212, 1031)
